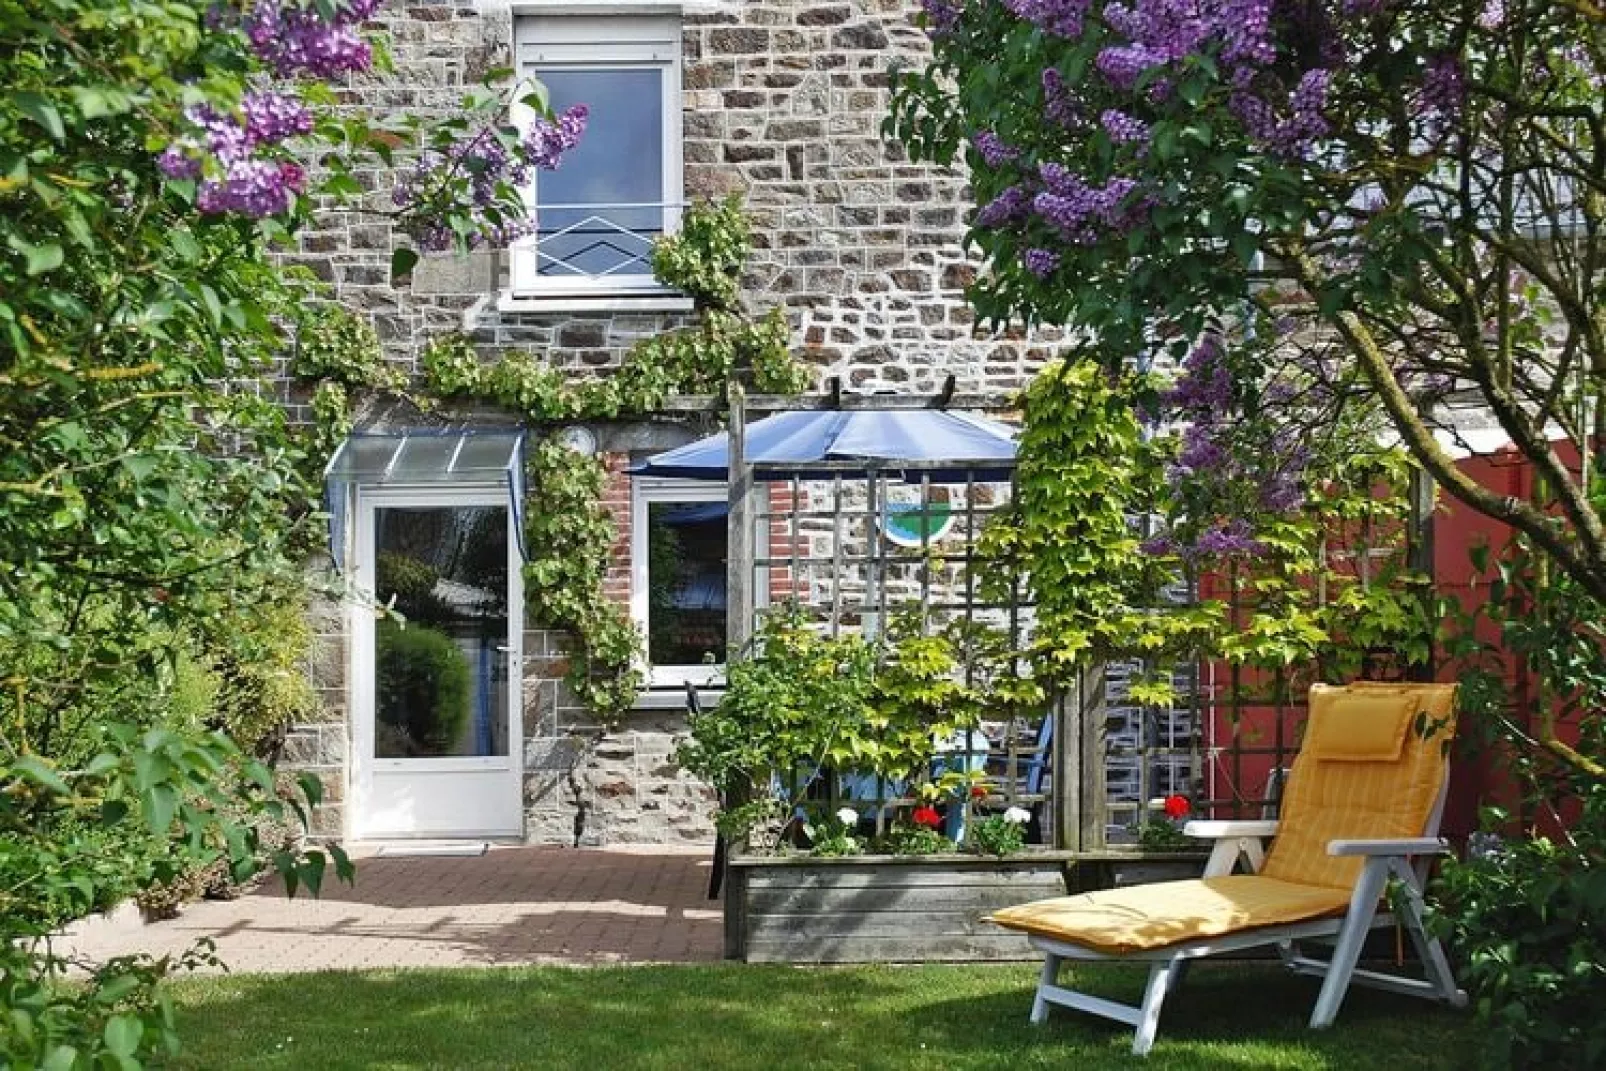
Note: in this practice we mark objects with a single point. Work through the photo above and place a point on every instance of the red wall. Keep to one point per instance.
(1475, 779)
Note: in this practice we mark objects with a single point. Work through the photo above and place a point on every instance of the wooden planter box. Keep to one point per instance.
(1115, 868)
(882, 908)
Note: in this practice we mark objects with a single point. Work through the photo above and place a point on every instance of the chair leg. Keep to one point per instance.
(1434, 962)
(1357, 923)
(1050, 976)
(1179, 971)
(1153, 996)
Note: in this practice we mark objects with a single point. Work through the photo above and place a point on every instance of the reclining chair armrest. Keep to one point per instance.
(1217, 830)
(1401, 846)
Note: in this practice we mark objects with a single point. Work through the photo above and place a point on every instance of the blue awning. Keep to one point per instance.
(948, 446)
(424, 457)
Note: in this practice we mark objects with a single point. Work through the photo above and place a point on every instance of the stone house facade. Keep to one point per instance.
(781, 101)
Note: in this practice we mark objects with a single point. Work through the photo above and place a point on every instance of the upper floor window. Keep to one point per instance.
(597, 215)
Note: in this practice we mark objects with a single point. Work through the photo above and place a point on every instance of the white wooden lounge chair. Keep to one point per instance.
(1362, 801)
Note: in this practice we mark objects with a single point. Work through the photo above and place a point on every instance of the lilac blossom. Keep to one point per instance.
(1078, 210)
(1443, 93)
(1232, 537)
(1059, 104)
(1063, 18)
(1123, 128)
(487, 165)
(176, 163)
(294, 40)
(240, 180)
(995, 151)
(271, 117)
(941, 16)
(1011, 206)
(1041, 262)
(251, 187)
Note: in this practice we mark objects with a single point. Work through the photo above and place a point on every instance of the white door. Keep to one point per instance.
(436, 696)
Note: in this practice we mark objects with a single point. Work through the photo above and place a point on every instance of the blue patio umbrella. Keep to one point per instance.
(965, 445)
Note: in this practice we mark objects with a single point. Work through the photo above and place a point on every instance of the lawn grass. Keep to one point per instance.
(735, 1016)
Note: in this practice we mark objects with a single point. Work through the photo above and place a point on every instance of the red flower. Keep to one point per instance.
(978, 792)
(926, 816)
(1177, 807)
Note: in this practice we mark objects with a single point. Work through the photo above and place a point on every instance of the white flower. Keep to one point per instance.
(848, 816)
(1017, 816)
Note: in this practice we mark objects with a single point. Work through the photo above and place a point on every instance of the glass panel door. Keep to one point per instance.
(441, 675)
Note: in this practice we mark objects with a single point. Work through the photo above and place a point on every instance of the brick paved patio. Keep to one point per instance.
(511, 905)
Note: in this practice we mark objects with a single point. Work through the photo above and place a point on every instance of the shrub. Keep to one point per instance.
(1526, 920)
(423, 686)
(999, 834)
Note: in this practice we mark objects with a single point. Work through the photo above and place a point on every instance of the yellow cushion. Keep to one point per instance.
(1360, 726)
(1145, 917)
(1329, 799)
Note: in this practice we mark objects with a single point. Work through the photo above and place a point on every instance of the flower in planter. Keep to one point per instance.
(1163, 831)
(1017, 816)
(834, 833)
(927, 816)
(978, 792)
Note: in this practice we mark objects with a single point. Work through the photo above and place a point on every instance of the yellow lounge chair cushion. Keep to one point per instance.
(1145, 917)
(1347, 799)
(1364, 726)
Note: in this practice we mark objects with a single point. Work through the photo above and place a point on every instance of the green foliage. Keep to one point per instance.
(829, 837)
(333, 343)
(144, 808)
(800, 699)
(260, 663)
(1161, 835)
(570, 538)
(705, 258)
(1085, 470)
(422, 687)
(906, 838)
(804, 702)
(994, 834)
(1527, 921)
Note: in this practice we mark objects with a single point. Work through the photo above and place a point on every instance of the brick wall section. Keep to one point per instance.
(616, 500)
(784, 101)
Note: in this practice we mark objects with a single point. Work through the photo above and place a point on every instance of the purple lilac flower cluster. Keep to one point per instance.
(1041, 262)
(1059, 103)
(295, 40)
(995, 151)
(1063, 18)
(1443, 93)
(1123, 128)
(941, 16)
(1078, 210)
(487, 164)
(244, 181)
(1204, 398)
(1306, 123)
(1011, 206)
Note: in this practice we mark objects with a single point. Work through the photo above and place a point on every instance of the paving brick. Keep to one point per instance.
(511, 905)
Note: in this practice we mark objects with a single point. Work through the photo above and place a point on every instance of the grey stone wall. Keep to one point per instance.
(783, 102)
(588, 785)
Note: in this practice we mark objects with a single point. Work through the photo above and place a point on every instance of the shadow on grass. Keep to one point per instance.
(732, 1016)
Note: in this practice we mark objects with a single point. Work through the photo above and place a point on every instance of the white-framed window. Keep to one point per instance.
(598, 214)
(678, 552)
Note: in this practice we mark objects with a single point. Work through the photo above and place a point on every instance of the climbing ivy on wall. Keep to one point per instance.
(568, 535)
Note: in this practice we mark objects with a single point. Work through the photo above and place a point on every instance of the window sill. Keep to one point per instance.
(653, 698)
(666, 301)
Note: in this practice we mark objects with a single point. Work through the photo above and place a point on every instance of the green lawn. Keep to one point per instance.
(732, 1016)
